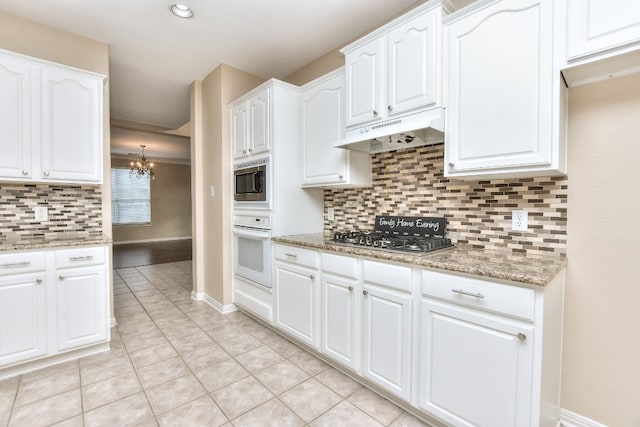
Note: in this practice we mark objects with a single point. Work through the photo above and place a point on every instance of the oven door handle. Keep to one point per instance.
(253, 233)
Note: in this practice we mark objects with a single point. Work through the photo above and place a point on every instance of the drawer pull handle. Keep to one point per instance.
(522, 337)
(61, 277)
(365, 293)
(470, 294)
(292, 256)
(311, 276)
(350, 288)
(452, 165)
(81, 258)
(16, 264)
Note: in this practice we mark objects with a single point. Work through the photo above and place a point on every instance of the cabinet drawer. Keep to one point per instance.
(22, 263)
(338, 264)
(297, 255)
(389, 275)
(505, 299)
(78, 257)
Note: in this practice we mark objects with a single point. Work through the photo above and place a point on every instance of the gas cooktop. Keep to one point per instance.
(397, 233)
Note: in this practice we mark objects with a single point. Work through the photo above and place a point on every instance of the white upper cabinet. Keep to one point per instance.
(395, 69)
(322, 115)
(505, 98)
(15, 118)
(603, 40)
(250, 133)
(51, 122)
(598, 25)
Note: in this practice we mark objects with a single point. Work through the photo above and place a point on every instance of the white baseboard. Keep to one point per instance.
(165, 239)
(571, 419)
(113, 323)
(224, 309)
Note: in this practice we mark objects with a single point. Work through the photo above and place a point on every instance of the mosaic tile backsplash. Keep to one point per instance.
(410, 182)
(73, 210)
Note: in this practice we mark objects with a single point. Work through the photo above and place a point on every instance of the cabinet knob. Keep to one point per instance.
(25, 172)
(38, 281)
(311, 276)
(522, 337)
(452, 165)
(389, 108)
(365, 293)
(244, 151)
(250, 150)
(350, 288)
(46, 173)
(340, 177)
(375, 113)
(61, 277)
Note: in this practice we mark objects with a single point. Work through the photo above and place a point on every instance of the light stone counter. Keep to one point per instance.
(24, 243)
(536, 270)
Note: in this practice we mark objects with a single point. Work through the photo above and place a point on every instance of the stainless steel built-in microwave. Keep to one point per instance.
(251, 181)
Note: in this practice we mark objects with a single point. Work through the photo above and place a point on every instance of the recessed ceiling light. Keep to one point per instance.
(181, 11)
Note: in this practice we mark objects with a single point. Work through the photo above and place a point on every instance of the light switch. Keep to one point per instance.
(331, 214)
(212, 191)
(41, 213)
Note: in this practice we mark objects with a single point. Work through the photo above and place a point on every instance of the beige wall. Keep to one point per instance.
(211, 159)
(601, 364)
(170, 205)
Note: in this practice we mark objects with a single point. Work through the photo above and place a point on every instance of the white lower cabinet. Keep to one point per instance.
(81, 306)
(23, 317)
(475, 368)
(51, 302)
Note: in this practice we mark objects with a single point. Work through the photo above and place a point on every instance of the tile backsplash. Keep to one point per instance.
(73, 210)
(410, 182)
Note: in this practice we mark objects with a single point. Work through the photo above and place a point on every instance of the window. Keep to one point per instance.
(130, 198)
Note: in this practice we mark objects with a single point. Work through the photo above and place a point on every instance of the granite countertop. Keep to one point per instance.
(23, 243)
(536, 270)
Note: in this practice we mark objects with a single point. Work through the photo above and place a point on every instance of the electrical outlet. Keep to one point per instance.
(212, 191)
(41, 213)
(331, 214)
(519, 220)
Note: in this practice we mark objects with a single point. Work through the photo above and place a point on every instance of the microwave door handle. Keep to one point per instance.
(263, 235)
(257, 182)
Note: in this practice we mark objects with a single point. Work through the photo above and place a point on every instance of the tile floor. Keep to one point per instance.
(178, 362)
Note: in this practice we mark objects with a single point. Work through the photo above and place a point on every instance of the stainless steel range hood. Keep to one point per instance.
(411, 130)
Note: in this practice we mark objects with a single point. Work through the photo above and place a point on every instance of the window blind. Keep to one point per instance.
(130, 197)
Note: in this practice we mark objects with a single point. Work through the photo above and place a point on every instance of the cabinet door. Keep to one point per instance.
(387, 339)
(597, 25)
(296, 302)
(412, 56)
(259, 140)
(71, 126)
(322, 126)
(240, 130)
(23, 318)
(500, 87)
(475, 368)
(364, 71)
(81, 296)
(339, 319)
(15, 118)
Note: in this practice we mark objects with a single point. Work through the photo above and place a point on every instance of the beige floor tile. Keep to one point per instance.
(168, 321)
(8, 391)
(48, 411)
(40, 388)
(139, 342)
(270, 414)
(281, 377)
(162, 372)
(202, 412)
(204, 356)
(345, 414)
(192, 340)
(152, 355)
(136, 327)
(408, 420)
(102, 370)
(222, 374)
(181, 330)
(224, 332)
(241, 396)
(110, 390)
(237, 316)
(307, 361)
(338, 382)
(77, 421)
(283, 346)
(129, 411)
(310, 399)
(240, 344)
(375, 405)
(148, 423)
(259, 358)
(261, 332)
(174, 393)
(51, 370)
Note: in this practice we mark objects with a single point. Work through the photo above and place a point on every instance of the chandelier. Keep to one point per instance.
(141, 167)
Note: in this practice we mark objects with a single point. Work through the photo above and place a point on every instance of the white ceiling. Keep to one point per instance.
(154, 56)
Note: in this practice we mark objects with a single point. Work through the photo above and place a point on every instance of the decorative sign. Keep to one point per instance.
(410, 225)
